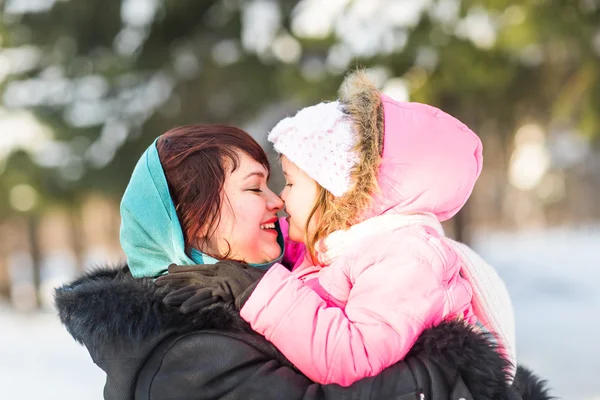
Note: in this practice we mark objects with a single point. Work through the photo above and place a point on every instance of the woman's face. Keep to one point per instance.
(299, 194)
(248, 215)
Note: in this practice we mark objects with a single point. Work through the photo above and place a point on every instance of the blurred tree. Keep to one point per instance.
(109, 77)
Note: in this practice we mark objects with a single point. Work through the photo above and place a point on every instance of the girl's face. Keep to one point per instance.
(299, 194)
(248, 215)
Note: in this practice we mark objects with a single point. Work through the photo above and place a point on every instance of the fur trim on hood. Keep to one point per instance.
(362, 104)
(413, 158)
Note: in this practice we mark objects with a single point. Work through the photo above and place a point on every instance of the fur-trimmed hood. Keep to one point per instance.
(413, 158)
(121, 319)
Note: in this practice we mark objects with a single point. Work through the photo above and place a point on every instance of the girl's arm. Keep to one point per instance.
(390, 304)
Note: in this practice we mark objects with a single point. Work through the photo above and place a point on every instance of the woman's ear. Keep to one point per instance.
(202, 240)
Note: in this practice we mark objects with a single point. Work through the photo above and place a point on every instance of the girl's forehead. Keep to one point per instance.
(287, 165)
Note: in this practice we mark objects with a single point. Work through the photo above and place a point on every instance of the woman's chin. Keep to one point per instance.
(274, 254)
(271, 254)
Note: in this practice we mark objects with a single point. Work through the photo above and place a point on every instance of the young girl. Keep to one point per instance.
(369, 180)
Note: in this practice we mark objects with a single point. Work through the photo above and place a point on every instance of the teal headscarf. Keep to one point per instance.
(151, 235)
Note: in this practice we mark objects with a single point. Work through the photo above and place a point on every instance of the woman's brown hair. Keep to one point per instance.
(196, 160)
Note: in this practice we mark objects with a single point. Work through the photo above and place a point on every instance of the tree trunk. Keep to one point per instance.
(462, 226)
(76, 235)
(34, 249)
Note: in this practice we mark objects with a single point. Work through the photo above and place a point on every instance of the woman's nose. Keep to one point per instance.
(275, 203)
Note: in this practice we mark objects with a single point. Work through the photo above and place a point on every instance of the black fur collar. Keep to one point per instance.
(110, 306)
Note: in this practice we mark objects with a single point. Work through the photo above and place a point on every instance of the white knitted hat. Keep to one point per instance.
(320, 141)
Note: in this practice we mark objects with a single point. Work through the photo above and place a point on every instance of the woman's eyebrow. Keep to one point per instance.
(256, 173)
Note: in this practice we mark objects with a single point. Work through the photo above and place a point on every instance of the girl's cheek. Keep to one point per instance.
(290, 194)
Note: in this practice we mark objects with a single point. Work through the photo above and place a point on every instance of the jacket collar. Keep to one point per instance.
(109, 306)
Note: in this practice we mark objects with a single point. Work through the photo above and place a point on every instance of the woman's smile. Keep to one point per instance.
(269, 226)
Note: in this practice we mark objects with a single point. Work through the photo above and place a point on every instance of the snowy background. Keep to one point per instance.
(552, 277)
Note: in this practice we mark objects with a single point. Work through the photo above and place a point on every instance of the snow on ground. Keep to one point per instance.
(553, 282)
(39, 360)
(551, 276)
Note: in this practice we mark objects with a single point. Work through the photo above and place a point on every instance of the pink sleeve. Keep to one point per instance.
(389, 305)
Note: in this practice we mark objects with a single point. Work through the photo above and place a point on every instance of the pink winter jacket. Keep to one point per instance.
(389, 277)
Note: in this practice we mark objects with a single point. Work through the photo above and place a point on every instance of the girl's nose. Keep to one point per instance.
(282, 193)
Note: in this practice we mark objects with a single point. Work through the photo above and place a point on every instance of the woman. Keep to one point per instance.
(213, 179)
